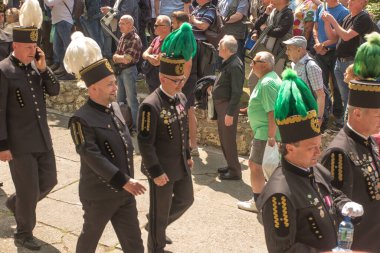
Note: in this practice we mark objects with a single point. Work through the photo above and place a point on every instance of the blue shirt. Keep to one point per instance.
(339, 12)
(167, 7)
(224, 5)
(205, 13)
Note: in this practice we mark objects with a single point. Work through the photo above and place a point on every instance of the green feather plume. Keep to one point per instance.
(366, 64)
(180, 43)
(294, 97)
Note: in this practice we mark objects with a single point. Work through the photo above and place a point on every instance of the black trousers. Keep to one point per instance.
(122, 213)
(34, 176)
(227, 136)
(327, 64)
(167, 204)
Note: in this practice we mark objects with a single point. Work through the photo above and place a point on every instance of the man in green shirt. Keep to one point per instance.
(261, 118)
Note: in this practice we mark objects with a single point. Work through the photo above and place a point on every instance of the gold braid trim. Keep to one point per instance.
(332, 164)
(285, 211)
(297, 118)
(275, 213)
(80, 133)
(148, 121)
(91, 66)
(143, 121)
(363, 87)
(75, 133)
(172, 61)
(25, 29)
(340, 167)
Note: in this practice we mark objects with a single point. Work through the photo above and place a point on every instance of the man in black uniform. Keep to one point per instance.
(299, 206)
(102, 139)
(25, 140)
(353, 156)
(163, 142)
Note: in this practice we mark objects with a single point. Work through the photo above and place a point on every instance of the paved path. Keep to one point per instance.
(212, 224)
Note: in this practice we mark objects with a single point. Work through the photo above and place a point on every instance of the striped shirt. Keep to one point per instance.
(130, 44)
(205, 13)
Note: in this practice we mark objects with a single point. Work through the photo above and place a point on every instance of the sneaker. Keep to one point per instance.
(194, 152)
(249, 205)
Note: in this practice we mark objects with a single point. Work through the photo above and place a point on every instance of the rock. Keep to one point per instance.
(69, 98)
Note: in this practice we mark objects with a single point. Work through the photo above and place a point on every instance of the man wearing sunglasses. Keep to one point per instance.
(261, 118)
(163, 142)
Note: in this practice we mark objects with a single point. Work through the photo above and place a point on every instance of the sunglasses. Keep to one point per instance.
(176, 81)
(257, 61)
(155, 26)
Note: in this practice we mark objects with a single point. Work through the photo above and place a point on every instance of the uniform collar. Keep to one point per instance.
(99, 107)
(18, 63)
(170, 99)
(296, 169)
(358, 138)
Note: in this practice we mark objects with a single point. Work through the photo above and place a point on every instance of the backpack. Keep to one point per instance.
(328, 102)
(214, 32)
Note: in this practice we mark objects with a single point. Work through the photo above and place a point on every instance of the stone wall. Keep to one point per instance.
(71, 97)
(74, 94)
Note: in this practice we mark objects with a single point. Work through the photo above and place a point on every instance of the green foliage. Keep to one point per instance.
(374, 8)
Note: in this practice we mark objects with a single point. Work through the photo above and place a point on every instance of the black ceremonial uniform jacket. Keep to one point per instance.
(23, 120)
(300, 210)
(106, 152)
(354, 165)
(163, 136)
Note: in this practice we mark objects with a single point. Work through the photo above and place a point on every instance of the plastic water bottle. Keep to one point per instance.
(345, 235)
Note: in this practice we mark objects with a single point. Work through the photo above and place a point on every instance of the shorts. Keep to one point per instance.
(257, 151)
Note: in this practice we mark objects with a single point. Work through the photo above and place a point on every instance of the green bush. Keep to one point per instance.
(374, 7)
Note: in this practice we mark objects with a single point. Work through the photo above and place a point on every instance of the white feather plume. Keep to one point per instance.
(31, 14)
(82, 52)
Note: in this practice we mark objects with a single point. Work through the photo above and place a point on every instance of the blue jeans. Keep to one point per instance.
(340, 68)
(93, 29)
(127, 92)
(61, 40)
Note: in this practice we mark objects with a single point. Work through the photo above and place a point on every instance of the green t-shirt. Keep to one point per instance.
(262, 101)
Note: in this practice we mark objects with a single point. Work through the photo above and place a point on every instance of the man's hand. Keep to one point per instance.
(327, 17)
(269, 9)
(41, 62)
(352, 209)
(190, 162)
(271, 141)
(161, 180)
(105, 9)
(153, 59)
(134, 187)
(5, 156)
(228, 120)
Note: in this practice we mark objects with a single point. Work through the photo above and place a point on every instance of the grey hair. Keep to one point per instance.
(165, 19)
(128, 18)
(267, 57)
(230, 43)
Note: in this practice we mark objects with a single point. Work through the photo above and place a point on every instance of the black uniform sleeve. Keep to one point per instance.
(280, 226)
(86, 146)
(3, 113)
(237, 82)
(339, 165)
(260, 21)
(50, 82)
(147, 130)
(283, 27)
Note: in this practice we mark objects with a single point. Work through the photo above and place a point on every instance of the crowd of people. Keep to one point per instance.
(333, 76)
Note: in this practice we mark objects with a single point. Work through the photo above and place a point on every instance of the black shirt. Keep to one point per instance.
(361, 24)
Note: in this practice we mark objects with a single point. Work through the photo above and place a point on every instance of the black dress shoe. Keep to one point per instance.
(229, 176)
(223, 170)
(67, 77)
(29, 243)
